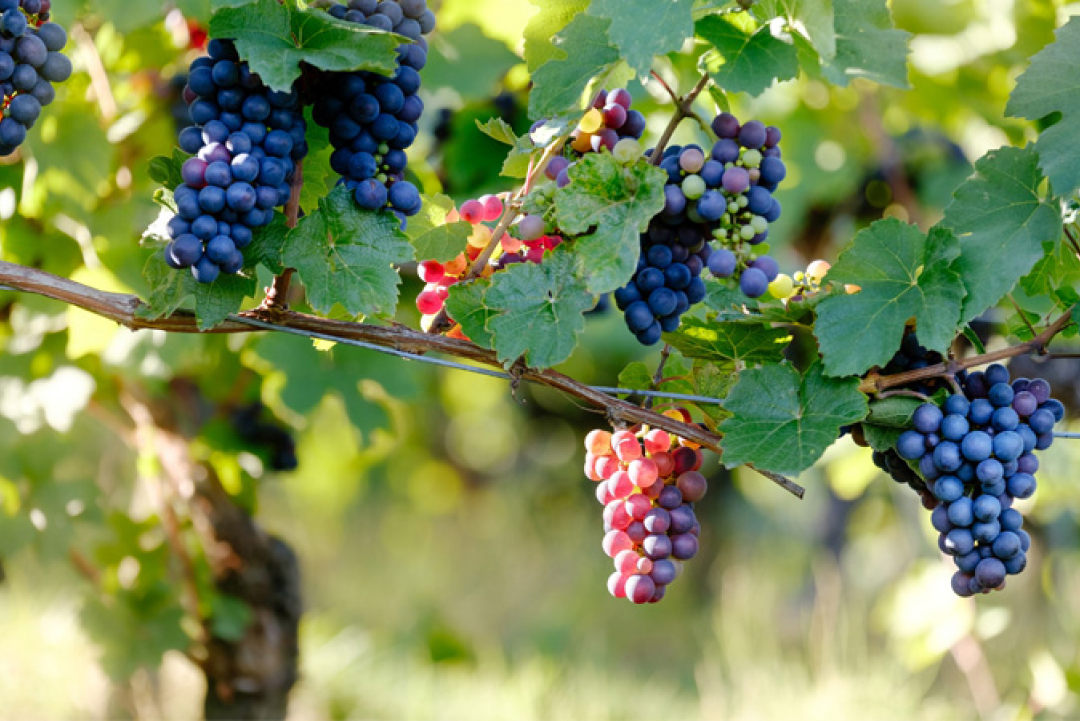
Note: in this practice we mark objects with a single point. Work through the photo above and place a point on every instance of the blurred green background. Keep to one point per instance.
(449, 541)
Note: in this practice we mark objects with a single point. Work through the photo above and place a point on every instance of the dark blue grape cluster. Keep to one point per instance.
(667, 281)
(373, 118)
(914, 356)
(246, 141)
(976, 454)
(30, 62)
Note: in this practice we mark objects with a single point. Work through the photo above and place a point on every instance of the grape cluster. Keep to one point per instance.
(246, 140)
(373, 118)
(731, 193)
(914, 356)
(648, 490)
(610, 121)
(976, 455)
(481, 214)
(252, 427)
(30, 62)
(667, 281)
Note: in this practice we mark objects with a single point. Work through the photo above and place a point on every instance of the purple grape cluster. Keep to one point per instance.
(30, 62)
(610, 120)
(976, 456)
(373, 118)
(246, 140)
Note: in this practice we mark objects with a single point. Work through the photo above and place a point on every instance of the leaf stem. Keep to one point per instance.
(1023, 316)
(658, 376)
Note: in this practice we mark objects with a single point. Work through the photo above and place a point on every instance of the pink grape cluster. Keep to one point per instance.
(482, 214)
(647, 483)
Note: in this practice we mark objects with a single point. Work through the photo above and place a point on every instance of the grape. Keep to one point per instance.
(753, 283)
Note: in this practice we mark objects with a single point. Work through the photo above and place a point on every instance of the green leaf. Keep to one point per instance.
(553, 16)
(345, 255)
(1002, 223)
(894, 412)
(430, 234)
(214, 302)
(465, 305)
(319, 177)
(903, 275)
(750, 57)
(642, 29)
(636, 376)
(165, 170)
(559, 83)
(1052, 84)
(881, 438)
(782, 422)
(538, 310)
(1058, 267)
(275, 38)
(867, 45)
(713, 381)
(812, 19)
(516, 164)
(268, 246)
(229, 617)
(733, 342)
(611, 205)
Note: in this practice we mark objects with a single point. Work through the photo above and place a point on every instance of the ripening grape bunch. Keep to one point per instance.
(648, 484)
(976, 454)
(245, 141)
(481, 213)
(373, 118)
(914, 356)
(609, 124)
(30, 62)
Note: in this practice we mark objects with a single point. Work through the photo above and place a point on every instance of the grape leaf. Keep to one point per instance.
(466, 306)
(516, 164)
(538, 310)
(638, 376)
(346, 255)
(880, 438)
(903, 275)
(867, 45)
(1059, 267)
(713, 381)
(735, 342)
(813, 19)
(275, 38)
(553, 16)
(1052, 84)
(782, 422)
(430, 234)
(642, 29)
(613, 204)
(214, 302)
(894, 412)
(559, 83)
(1002, 223)
(268, 245)
(166, 170)
(319, 177)
(750, 57)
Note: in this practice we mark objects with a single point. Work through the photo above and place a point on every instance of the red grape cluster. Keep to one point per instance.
(647, 483)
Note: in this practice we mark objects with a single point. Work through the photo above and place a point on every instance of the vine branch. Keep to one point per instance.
(683, 110)
(125, 310)
(875, 383)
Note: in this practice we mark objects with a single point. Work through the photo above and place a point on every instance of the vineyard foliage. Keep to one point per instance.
(931, 243)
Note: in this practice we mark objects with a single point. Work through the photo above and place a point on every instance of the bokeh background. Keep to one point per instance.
(449, 542)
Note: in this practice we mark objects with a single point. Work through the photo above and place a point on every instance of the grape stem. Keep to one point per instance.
(683, 109)
(1072, 240)
(658, 376)
(277, 295)
(904, 392)
(129, 311)
(875, 383)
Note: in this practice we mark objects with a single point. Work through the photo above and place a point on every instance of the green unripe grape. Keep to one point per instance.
(751, 158)
(627, 151)
(720, 234)
(692, 214)
(384, 149)
(693, 187)
(381, 177)
(733, 207)
(743, 201)
(747, 232)
(782, 287)
(759, 224)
